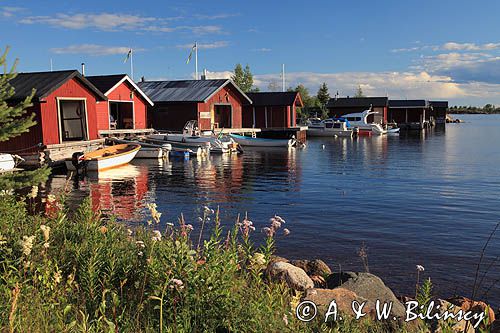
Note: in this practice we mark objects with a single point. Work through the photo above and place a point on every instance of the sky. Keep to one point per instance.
(407, 49)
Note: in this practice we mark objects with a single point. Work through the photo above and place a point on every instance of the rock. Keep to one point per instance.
(368, 286)
(452, 325)
(313, 267)
(467, 304)
(294, 276)
(343, 298)
(319, 281)
(274, 259)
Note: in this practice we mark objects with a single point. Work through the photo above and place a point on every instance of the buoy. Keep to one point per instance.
(323, 146)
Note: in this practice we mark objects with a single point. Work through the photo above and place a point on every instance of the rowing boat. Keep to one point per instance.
(105, 158)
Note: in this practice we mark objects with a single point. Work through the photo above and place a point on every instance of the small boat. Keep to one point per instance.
(9, 162)
(148, 150)
(329, 127)
(179, 147)
(102, 159)
(394, 130)
(262, 142)
(359, 120)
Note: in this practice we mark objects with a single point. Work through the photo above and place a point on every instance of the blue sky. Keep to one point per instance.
(403, 49)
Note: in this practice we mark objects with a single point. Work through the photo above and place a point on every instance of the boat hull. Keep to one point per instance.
(319, 132)
(7, 162)
(98, 160)
(261, 142)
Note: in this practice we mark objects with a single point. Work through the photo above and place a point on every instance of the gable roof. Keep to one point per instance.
(275, 98)
(107, 83)
(47, 82)
(357, 102)
(186, 90)
(408, 103)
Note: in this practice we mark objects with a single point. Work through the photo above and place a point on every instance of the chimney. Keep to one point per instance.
(143, 79)
(204, 75)
(83, 68)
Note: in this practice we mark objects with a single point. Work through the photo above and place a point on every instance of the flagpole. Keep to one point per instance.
(196, 60)
(132, 63)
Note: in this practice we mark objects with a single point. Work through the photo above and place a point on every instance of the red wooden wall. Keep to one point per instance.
(226, 95)
(21, 143)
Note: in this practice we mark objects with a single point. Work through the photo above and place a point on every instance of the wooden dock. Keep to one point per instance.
(121, 133)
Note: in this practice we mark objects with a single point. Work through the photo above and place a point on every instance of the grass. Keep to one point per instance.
(63, 271)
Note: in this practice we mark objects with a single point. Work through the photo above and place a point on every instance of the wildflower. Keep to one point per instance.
(129, 232)
(46, 245)
(285, 319)
(6, 192)
(279, 219)
(140, 253)
(258, 260)
(140, 244)
(208, 218)
(157, 236)
(176, 283)
(46, 232)
(420, 268)
(189, 227)
(276, 224)
(57, 277)
(27, 244)
(51, 198)
(154, 212)
(207, 210)
(286, 232)
(268, 231)
(34, 192)
(170, 224)
(103, 229)
(2, 239)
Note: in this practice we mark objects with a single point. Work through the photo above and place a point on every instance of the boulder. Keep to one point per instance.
(295, 277)
(319, 281)
(467, 304)
(451, 325)
(343, 298)
(368, 286)
(313, 267)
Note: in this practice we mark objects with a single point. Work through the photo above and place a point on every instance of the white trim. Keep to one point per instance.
(121, 101)
(84, 99)
(136, 87)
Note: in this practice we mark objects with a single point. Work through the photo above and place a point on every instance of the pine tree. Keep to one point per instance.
(359, 92)
(13, 119)
(323, 95)
(13, 122)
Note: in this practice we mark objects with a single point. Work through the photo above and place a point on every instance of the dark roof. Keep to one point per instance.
(273, 98)
(408, 103)
(185, 90)
(357, 102)
(46, 82)
(439, 104)
(105, 82)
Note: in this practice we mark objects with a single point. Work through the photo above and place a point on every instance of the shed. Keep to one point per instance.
(213, 103)
(439, 110)
(340, 106)
(64, 105)
(272, 109)
(406, 111)
(126, 105)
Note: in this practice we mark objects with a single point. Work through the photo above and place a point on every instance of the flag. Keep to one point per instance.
(191, 53)
(129, 53)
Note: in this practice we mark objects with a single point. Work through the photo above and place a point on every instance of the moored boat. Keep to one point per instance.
(262, 142)
(105, 158)
(148, 150)
(359, 120)
(9, 162)
(328, 127)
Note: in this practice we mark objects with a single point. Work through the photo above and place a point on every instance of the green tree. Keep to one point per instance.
(243, 78)
(14, 121)
(323, 95)
(359, 92)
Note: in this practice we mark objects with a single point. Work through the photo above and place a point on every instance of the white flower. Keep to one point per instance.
(420, 268)
(34, 192)
(140, 253)
(46, 232)
(170, 224)
(129, 232)
(140, 244)
(57, 277)
(176, 283)
(286, 232)
(51, 198)
(157, 236)
(6, 192)
(27, 244)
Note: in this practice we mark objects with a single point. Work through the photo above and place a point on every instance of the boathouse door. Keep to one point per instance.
(72, 120)
(223, 116)
(121, 115)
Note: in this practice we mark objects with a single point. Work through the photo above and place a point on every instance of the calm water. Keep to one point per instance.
(427, 198)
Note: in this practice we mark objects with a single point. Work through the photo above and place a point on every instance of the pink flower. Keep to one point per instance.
(286, 232)
(189, 227)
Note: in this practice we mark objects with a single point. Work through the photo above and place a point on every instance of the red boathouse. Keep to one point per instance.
(64, 105)
(215, 104)
(126, 106)
(272, 109)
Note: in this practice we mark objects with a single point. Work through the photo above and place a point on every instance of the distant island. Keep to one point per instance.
(461, 109)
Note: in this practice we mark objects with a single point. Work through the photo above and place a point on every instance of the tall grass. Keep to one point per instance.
(63, 271)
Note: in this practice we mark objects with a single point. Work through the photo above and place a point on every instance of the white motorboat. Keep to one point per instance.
(148, 150)
(190, 134)
(105, 158)
(328, 127)
(9, 162)
(359, 120)
(262, 142)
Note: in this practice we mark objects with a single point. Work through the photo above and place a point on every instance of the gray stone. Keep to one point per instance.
(295, 277)
(313, 267)
(368, 286)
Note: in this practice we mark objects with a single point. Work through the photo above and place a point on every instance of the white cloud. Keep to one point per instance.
(263, 49)
(201, 46)
(118, 22)
(452, 46)
(215, 16)
(9, 11)
(93, 50)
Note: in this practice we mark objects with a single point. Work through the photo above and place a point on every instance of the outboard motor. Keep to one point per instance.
(76, 160)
